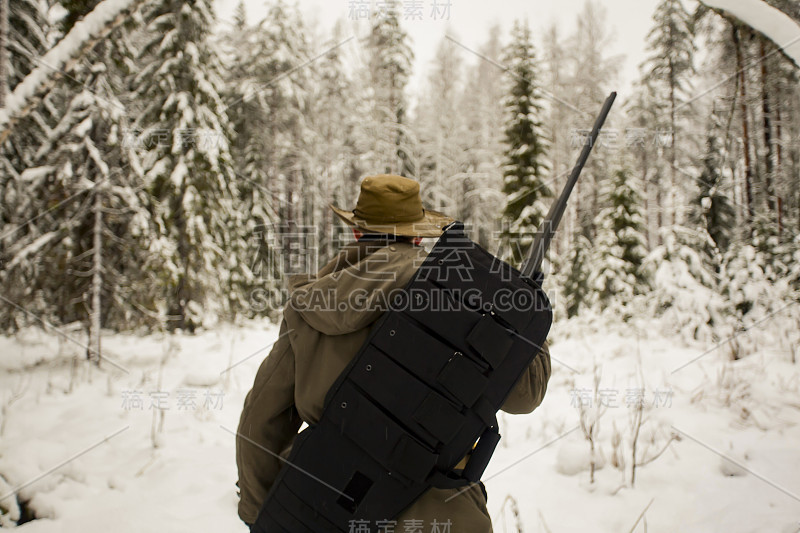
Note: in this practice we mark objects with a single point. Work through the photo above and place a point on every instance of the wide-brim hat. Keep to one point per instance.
(392, 204)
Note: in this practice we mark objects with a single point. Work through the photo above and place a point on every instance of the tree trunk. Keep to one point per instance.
(4, 67)
(779, 166)
(659, 207)
(779, 137)
(652, 208)
(182, 293)
(673, 204)
(769, 178)
(97, 276)
(748, 168)
(287, 229)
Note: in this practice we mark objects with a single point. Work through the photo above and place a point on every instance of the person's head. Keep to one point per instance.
(391, 205)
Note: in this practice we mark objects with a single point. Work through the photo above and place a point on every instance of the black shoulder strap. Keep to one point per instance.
(418, 396)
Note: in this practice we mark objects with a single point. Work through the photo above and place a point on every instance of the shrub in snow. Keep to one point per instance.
(9, 509)
(590, 414)
(758, 291)
(575, 457)
(747, 281)
(685, 284)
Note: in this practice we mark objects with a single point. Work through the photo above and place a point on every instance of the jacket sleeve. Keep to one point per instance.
(529, 391)
(268, 424)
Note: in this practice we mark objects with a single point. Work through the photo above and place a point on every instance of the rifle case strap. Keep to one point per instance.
(478, 460)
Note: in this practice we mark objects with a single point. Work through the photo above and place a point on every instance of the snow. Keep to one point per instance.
(773, 23)
(178, 173)
(574, 457)
(32, 174)
(58, 56)
(96, 156)
(32, 248)
(746, 410)
(125, 483)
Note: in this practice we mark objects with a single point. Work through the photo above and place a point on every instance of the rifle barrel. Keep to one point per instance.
(550, 224)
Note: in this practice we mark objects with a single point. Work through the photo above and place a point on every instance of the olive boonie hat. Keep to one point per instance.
(391, 204)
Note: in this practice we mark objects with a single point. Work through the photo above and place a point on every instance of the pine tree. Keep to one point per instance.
(525, 167)
(785, 92)
(558, 123)
(646, 115)
(4, 67)
(724, 61)
(82, 260)
(76, 218)
(188, 167)
(670, 68)
(248, 52)
(592, 74)
(331, 155)
(283, 90)
(389, 69)
(75, 10)
(713, 210)
(481, 141)
(620, 248)
(437, 124)
(240, 17)
(27, 37)
(576, 286)
(26, 40)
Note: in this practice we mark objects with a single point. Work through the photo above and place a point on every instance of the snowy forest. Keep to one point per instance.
(162, 173)
(169, 176)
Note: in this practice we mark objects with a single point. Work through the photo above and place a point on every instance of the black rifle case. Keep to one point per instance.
(423, 389)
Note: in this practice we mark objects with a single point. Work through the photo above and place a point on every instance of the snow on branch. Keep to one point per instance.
(85, 33)
(776, 25)
(21, 255)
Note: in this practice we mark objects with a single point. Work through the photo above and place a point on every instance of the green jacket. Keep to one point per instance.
(325, 322)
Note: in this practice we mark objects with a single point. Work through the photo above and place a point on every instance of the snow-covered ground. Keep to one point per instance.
(178, 474)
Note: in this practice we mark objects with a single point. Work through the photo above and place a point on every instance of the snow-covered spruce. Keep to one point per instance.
(525, 148)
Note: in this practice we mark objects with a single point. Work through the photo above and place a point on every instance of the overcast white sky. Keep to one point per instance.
(470, 20)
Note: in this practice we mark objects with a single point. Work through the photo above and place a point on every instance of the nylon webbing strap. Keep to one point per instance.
(421, 393)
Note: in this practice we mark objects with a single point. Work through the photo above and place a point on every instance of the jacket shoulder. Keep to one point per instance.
(351, 298)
